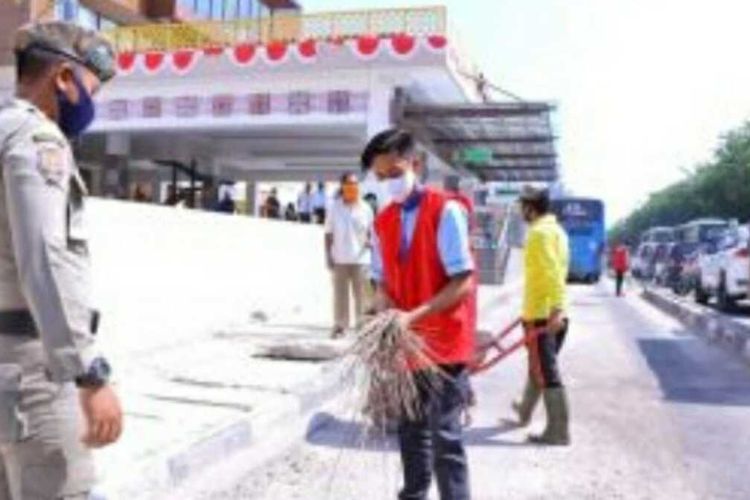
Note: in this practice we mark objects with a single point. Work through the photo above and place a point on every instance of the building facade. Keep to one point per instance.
(108, 14)
(256, 92)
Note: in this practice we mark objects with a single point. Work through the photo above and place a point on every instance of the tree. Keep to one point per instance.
(720, 188)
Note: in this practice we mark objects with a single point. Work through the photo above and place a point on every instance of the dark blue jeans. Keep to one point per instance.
(434, 442)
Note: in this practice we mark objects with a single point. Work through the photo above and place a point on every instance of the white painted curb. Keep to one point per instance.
(730, 334)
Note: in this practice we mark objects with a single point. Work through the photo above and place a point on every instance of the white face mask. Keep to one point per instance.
(401, 187)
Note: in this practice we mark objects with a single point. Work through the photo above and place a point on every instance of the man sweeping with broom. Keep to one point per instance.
(424, 269)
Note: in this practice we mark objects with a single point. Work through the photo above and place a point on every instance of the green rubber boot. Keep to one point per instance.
(524, 408)
(556, 433)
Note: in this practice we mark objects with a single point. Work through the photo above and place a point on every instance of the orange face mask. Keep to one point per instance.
(350, 192)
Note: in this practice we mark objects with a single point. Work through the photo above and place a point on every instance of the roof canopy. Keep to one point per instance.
(510, 141)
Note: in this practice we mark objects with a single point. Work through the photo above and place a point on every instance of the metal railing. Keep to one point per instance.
(287, 28)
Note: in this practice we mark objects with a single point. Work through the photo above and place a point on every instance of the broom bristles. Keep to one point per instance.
(392, 390)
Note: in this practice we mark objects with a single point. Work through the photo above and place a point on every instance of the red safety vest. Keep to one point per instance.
(620, 259)
(473, 307)
(418, 276)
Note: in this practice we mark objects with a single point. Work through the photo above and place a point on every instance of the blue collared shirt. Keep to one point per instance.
(453, 237)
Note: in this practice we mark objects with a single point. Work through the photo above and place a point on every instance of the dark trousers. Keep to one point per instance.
(543, 351)
(619, 279)
(305, 218)
(320, 215)
(434, 442)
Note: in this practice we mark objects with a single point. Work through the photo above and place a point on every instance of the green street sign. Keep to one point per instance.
(475, 156)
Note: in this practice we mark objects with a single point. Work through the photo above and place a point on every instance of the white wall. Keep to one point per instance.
(164, 275)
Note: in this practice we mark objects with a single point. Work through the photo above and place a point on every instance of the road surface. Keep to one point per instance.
(656, 414)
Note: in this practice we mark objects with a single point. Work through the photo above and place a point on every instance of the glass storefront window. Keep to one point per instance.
(217, 9)
(203, 8)
(190, 6)
(222, 9)
(245, 9)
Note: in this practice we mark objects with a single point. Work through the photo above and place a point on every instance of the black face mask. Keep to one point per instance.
(75, 118)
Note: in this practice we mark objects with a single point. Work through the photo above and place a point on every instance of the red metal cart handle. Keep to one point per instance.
(484, 363)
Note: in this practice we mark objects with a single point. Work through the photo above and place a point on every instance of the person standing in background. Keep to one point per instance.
(290, 213)
(347, 244)
(304, 204)
(272, 208)
(320, 203)
(226, 204)
(620, 265)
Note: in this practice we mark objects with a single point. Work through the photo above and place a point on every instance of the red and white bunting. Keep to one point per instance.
(307, 51)
(435, 43)
(152, 62)
(183, 61)
(276, 53)
(244, 55)
(126, 62)
(403, 46)
(214, 51)
(364, 48)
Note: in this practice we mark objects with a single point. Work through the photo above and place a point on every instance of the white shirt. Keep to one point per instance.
(319, 200)
(304, 203)
(350, 226)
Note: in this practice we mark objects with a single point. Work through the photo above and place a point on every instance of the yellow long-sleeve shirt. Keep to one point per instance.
(546, 260)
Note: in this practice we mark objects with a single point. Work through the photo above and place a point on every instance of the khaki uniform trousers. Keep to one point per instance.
(41, 425)
(349, 278)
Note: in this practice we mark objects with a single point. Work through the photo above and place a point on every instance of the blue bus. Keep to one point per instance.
(583, 220)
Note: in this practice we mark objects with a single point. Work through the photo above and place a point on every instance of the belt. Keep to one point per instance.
(20, 323)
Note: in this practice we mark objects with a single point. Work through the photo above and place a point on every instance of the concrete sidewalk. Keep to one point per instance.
(200, 403)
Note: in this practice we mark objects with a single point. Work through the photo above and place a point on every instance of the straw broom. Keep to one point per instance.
(384, 350)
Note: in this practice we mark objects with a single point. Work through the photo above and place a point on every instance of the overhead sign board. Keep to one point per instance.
(475, 156)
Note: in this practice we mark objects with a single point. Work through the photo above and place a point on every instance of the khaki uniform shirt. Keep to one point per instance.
(44, 258)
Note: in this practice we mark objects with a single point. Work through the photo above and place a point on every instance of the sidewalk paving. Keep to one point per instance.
(199, 403)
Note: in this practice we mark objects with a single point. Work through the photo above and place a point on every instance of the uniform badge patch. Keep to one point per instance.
(52, 163)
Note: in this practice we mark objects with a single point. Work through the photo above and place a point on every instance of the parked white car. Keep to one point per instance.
(644, 261)
(724, 269)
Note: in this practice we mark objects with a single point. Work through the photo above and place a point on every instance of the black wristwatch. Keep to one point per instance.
(97, 375)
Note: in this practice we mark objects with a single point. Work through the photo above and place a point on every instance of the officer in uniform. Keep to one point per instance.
(55, 401)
